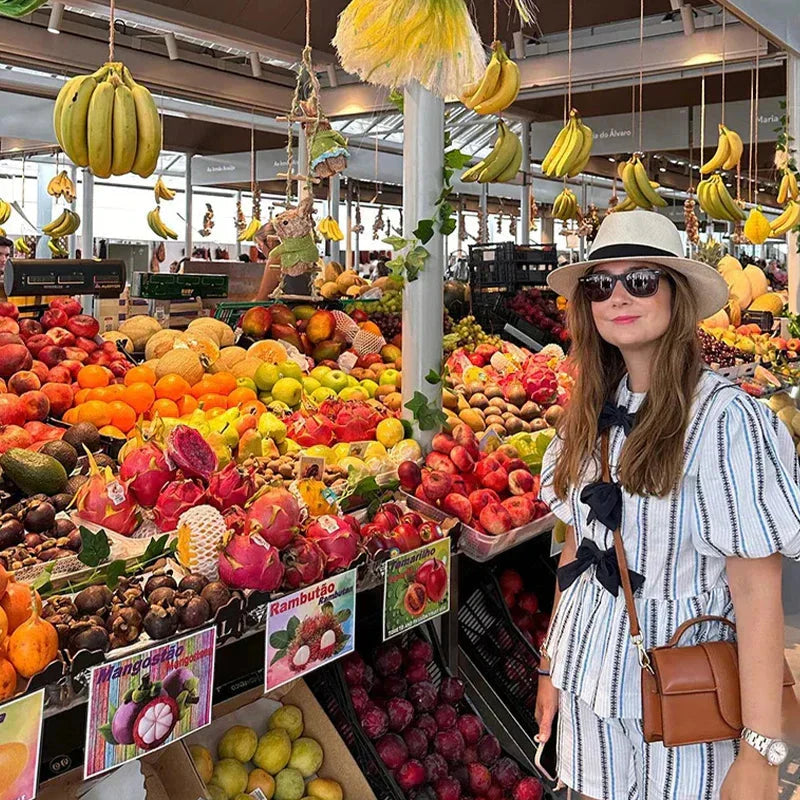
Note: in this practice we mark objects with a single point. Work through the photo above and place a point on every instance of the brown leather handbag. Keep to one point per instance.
(690, 695)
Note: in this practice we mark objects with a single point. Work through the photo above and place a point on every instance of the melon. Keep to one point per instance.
(228, 358)
(222, 333)
(740, 287)
(183, 362)
(203, 345)
(160, 343)
(728, 264)
(758, 280)
(116, 336)
(718, 320)
(770, 301)
(246, 368)
(139, 329)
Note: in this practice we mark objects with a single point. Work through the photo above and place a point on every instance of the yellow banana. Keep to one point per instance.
(726, 201)
(489, 83)
(794, 191)
(5, 212)
(101, 114)
(54, 186)
(565, 206)
(162, 191)
(124, 131)
(624, 205)
(586, 151)
(643, 182)
(250, 231)
(330, 229)
(61, 101)
(502, 159)
(51, 226)
(74, 121)
(473, 173)
(148, 126)
(571, 149)
(787, 220)
(783, 189)
(721, 156)
(510, 172)
(507, 89)
(555, 150)
(68, 226)
(632, 186)
(736, 148)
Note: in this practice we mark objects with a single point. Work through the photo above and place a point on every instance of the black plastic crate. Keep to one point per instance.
(490, 268)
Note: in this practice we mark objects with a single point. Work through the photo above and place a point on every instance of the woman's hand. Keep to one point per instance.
(750, 777)
(546, 707)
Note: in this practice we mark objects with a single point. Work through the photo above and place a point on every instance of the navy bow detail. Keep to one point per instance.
(605, 503)
(611, 415)
(606, 572)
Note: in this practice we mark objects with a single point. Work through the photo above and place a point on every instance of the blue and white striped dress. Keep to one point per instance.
(739, 497)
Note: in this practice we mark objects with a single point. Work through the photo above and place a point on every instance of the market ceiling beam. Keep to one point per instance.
(778, 20)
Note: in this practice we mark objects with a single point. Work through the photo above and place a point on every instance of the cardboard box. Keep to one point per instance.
(338, 765)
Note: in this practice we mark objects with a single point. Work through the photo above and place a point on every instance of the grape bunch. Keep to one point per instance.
(448, 323)
(467, 333)
(390, 323)
(390, 302)
(716, 352)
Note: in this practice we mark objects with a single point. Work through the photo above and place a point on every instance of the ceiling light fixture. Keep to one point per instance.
(686, 13)
(56, 17)
(255, 65)
(172, 46)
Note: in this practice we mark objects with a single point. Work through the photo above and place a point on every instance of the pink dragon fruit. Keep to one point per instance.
(235, 519)
(175, 498)
(308, 430)
(339, 538)
(275, 516)
(248, 562)
(231, 486)
(106, 501)
(304, 562)
(146, 472)
(191, 453)
(353, 420)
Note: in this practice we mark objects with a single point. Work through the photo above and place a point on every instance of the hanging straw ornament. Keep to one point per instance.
(393, 43)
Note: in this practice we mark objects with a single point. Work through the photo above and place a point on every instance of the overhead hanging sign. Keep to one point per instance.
(737, 118)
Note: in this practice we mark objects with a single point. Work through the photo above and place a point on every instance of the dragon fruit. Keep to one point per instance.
(146, 472)
(275, 516)
(248, 562)
(106, 501)
(339, 538)
(353, 420)
(235, 519)
(231, 486)
(309, 430)
(304, 562)
(175, 498)
(191, 453)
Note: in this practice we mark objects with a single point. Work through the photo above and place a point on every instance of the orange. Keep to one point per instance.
(172, 387)
(241, 395)
(112, 431)
(223, 382)
(370, 327)
(253, 407)
(187, 404)
(212, 400)
(115, 391)
(123, 416)
(139, 396)
(164, 407)
(70, 416)
(93, 376)
(140, 375)
(203, 386)
(94, 411)
(81, 396)
(104, 393)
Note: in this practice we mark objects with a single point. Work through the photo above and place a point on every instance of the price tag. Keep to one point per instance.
(358, 449)
(143, 702)
(309, 628)
(489, 442)
(311, 467)
(20, 735)
(416, 587)
(116, 493)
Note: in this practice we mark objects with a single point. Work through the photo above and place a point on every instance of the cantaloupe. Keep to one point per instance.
(228, 358)
(203, 345)
(246, 368)
(758, 280)
(718, 320)
(268, 350)
(160, 343)
(740, 287)
(183, 362)
(222, 333)
(139, 329)
(116, 336)
(727, 264)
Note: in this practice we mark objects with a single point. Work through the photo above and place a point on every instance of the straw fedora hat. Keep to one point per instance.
(651, 238)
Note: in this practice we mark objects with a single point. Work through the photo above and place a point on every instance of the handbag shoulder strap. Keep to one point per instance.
(622, 561)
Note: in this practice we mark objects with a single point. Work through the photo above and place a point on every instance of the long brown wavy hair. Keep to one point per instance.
(651, 462)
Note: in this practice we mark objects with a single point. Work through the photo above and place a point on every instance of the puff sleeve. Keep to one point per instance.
(561, 508)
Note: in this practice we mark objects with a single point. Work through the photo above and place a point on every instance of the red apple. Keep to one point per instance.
(54, 318)
(410, 476)
(61, 337)
(36, 405)
(9, 310)
(83, 325)
(412, 518)
(430, 532)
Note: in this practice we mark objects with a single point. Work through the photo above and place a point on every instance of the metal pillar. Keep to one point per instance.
(239, 245)
(793, 109)
(348, 237)
(44, 205)
(547, 234)
(423, 161)
(484, 234)
(525, 193)
(334, 189)
(189, 231)
(87, 231)
(73, 240)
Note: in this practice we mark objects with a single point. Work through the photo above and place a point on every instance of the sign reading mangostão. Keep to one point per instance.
(309, 628)
(142, 702)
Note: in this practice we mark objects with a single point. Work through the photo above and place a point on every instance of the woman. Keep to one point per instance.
(709, 501)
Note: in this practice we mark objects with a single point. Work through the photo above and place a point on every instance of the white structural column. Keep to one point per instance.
(484, 234)
(44, 205)
(87, 213)
(188, 213)
(793, 109)
(423, 162)
(525, 194)
(73, 240)
(334, 190)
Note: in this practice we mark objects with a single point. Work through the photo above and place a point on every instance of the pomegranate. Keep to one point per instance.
(146, 473)
(248, 562)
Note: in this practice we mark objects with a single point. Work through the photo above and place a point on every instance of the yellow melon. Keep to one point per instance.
(740, 287)
(727, 264)
(758, 280)
(770, 301)
(718, 320)
(246, 368)
(268, 350)
(203, 345)
(183, 362)
(228, 358)
(160, 343)
(116, 336)
(222, 333)
(139, 329)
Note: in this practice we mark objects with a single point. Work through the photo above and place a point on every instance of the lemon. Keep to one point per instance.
(390, 432)
(341, 450)
(374, 450)
(321, 451)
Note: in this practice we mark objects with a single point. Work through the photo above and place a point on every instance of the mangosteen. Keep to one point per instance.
(93, 600)
(193, 610)
(157, 582)
(163, 596)
(126, 627)
(217, 594)
(64, 527)
(86, 636)
(52, 553)
(61, 501)
(94, 619)
(40, 518)
(74, 541)
(32, 540)
(131, 597)
(11, 533)
(193, 581)
(59, 606)
(75, 483)
(161, 623)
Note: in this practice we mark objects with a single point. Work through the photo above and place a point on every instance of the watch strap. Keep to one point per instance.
(757, 741)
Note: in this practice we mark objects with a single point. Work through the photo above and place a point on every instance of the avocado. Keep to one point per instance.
(84, 434)
(62, 452)
(34, 473)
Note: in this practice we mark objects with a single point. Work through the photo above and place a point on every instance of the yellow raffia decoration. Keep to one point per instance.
(394, 42)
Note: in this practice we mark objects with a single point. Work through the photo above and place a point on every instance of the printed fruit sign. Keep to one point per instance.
(309, 628)
(416, 587)
(142, 702)
(20, 733)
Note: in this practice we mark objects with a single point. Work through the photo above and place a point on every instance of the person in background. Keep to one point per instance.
(6, 249)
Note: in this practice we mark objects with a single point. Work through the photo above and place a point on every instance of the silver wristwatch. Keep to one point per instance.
(774, 750)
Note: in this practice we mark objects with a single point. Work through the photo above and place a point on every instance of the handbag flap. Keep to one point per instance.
(682, 670)
(724, 660)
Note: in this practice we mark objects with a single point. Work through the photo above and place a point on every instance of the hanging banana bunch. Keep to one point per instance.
(64, 225)
(58, 248)
(5, 212)
(716, 201)
(108, 122)
(565, 206)
(728, 153)
(157, 225)
(250, 231)
(498, 87)
(569, 154)
(787, 220)
(641, 190)
(329, 228)
(788, 189)
(21, 245)
(62, 186)
(162, 191)
(503, 162)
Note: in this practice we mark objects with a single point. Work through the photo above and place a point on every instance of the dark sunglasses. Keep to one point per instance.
(641, 282)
